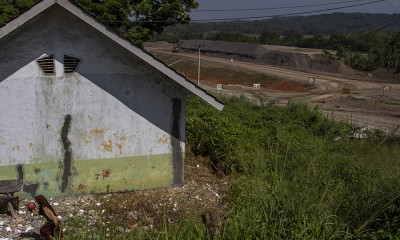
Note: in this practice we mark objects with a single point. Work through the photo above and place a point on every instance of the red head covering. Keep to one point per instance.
(42, 201)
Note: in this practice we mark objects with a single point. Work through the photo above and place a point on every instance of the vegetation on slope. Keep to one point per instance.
(300, 175)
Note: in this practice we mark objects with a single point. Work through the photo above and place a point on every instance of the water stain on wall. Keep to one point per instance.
(97, 132)
(67, 161)
(176, 143)
(29, 188)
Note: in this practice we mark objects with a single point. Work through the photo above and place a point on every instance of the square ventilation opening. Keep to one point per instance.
(46, 63)
(71, 64)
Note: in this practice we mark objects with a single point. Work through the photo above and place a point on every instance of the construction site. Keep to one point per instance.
(279, 75)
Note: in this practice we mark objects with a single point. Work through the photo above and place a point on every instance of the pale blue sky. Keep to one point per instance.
(387, 6)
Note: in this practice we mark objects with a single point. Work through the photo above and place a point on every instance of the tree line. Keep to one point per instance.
(137, 20)
(323, 24)
(362, 51)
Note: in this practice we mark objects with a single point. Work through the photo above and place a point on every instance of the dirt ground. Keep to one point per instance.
(203, 191)
(278, 85)
(310, 51)
(353, 97)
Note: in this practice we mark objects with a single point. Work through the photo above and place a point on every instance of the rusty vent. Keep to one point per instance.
(46, 63)
(71, 64)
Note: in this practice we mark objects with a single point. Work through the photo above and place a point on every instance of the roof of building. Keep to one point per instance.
(113, 35)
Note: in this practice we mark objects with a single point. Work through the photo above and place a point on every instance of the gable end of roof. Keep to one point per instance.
(113, 35)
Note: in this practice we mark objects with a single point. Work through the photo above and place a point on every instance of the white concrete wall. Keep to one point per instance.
(119, 106)
(34, 109)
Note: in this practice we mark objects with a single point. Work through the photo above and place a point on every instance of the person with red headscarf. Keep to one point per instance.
(51, 228)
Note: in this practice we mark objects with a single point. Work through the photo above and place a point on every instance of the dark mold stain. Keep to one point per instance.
(37, 170)
(20, 172)
(45, 185)
(67, 153)
(176, 144)
(29, 188)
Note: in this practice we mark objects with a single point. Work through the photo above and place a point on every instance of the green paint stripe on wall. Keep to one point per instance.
(97, 175)
(119, 174)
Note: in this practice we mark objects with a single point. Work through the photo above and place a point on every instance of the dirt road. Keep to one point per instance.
(373, 103)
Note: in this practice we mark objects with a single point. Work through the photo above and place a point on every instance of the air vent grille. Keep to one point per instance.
(46, 64)
(71, 64)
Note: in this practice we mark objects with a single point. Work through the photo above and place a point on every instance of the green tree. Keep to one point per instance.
(10, 9)
(269, 37)
(360, 62)
(392, 52)
(137, 20)
(230, 37)
(341, 53)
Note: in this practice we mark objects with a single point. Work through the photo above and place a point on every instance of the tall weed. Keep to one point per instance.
(302, 176)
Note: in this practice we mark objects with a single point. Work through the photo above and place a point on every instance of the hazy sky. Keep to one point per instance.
(386, 6)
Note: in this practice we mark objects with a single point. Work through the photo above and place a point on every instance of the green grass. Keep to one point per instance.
(299, 175)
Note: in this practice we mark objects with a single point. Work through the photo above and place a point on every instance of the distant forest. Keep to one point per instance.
(324, 24)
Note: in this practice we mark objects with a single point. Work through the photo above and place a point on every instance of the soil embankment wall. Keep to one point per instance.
(301, 59)
(308, 60)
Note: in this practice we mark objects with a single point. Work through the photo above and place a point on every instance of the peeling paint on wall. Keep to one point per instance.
(107, 146)
(104, 174)
(162, 140)
(97, 132)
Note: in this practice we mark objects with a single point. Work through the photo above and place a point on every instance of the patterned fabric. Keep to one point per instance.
(52, 227)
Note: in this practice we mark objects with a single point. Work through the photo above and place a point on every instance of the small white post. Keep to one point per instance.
(198, 70)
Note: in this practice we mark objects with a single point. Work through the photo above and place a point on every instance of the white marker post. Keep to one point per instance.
(256, 86)
(219, 87)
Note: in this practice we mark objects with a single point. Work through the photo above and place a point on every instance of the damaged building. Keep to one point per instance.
(83, 110)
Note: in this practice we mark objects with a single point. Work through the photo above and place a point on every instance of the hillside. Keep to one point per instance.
(324, 24)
